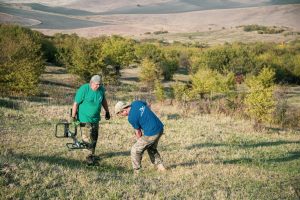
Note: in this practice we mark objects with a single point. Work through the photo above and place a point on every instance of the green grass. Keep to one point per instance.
(207, 156)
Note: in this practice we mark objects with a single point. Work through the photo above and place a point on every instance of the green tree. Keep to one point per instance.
(64, 46)
(150, 72)
(181, 92)
(21, 62)
(169, 64)
(118, 51)
(87, 59)
(259, 100)
(148, 51)
(207, 81)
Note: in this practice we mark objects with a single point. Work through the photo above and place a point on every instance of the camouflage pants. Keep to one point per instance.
(90, 135)
(148, 143)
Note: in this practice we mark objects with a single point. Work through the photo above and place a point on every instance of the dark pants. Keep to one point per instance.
(90, 133)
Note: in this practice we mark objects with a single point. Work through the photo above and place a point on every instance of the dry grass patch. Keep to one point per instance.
(208, 157)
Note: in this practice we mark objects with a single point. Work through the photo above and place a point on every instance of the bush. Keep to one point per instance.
(21, 61)
(169, 64)
(259, 101)
(150, 72)
(159, 91)
(207, 81)
(181, 92)
(263, 29)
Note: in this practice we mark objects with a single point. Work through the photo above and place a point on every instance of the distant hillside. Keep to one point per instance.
(89, 18)
(150, 7)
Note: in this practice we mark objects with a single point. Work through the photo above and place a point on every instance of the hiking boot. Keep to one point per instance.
(90, 160)
(161, 168)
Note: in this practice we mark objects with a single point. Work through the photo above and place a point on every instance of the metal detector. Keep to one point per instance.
(65, 129)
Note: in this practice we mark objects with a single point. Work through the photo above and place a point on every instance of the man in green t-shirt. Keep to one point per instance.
(89, 99)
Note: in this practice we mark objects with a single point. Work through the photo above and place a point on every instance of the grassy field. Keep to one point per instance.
(207, 156)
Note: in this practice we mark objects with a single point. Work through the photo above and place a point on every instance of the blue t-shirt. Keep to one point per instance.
(141, 117)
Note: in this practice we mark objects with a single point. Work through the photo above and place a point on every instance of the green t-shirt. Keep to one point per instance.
(89, 103)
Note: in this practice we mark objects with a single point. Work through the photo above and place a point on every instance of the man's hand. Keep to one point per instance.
(75, 122)
(138, 133)
(107, 115)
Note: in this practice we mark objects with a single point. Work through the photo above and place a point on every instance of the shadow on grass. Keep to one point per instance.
(183, 71)
(204, 145)
(135, 79)
(57, 71)
(245, 145)
(173, 116)
(184, 164)
(69, 163)
(267, 144)
(113, 154)
(9, 104)
(295, 155)
(56, 84)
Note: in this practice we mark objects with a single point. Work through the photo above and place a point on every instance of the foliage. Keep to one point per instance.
(284, 61)
(64, 46)
(21, 62)
(263, 29)
(87, 59)
(251, 59)
(49, 50)
(281, 107)
(181, 92)
(166, 60)
(159, 32)
(118, 51)
(207, 81)
(169, 64)
(259, 100)
(150, 72)
(227, 58)
(159, 91)
(148, 51)
(102, 55)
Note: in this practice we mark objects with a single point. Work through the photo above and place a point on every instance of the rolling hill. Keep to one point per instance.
(92, 18)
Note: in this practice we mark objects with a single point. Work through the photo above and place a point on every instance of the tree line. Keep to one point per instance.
(212, 70)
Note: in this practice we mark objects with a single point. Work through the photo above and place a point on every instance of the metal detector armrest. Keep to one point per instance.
(65, 126)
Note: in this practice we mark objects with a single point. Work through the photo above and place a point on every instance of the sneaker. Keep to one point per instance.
(161, 168)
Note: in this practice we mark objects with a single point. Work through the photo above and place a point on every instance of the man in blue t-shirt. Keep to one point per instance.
(148, 130)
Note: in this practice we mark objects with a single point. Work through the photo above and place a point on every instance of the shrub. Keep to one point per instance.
(150, 72)
(169, 64)
(263, 29)
(260, 101)
(21, 62)
(181, 92)
(64, 46)
(159, 91)
(159, 32)
(207, 81)
(281, 107)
